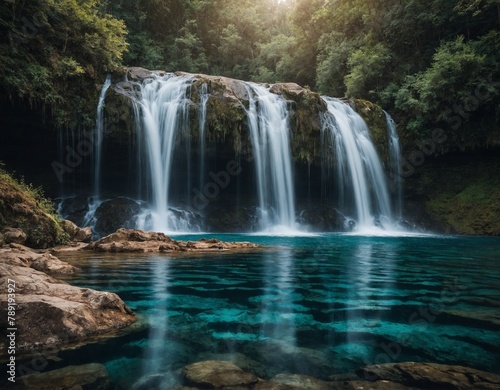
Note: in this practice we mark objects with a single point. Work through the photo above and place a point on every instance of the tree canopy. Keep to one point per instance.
(424, 61)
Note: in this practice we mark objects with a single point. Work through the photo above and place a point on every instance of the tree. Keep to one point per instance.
(53, 53)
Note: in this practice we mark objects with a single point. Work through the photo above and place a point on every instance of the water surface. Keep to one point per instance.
(316, 305)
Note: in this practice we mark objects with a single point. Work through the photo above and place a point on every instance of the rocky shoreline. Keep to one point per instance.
(138, 241)
(51, 312)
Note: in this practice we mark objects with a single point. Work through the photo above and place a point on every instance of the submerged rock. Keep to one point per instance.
(431, 375)
(86, 377)
(294, 381)
(214, 374)
(50, 311)
(134, 240)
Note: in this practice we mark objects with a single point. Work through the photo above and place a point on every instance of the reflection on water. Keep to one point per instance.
(312, 305)
(156, 354)
(277, 311)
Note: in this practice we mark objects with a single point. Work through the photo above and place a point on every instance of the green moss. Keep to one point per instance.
(465, 198)
(375, 118)
(225, 121)
(307, 108)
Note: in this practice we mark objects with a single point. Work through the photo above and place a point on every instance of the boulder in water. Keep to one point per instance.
(114, 214)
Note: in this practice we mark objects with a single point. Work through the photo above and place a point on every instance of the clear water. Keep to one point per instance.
(315, 305)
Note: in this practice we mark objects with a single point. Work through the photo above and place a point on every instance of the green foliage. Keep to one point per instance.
(26, 207)
(417, 59)
(366, 66)
(36, 193)
(53, 50)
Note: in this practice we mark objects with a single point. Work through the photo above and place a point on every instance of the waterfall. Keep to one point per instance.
(359, 170)
(269, 132)
(164, 108)
(99, 129)
(202, 117)
(395, 162)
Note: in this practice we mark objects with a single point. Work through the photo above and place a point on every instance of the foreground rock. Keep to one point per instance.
(431, 375)
(133, 240)
(50, 311)
(214, 374)
(18, 255)
(89, 376)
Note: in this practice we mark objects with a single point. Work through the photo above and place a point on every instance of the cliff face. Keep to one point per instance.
(433, 198)
(226, 123)
(445, 189)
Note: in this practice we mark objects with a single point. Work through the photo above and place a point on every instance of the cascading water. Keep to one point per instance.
(269, 132)
(202, 118)
(99, 130)
(163, 140)
(359, 168)
(164, 108)
(395, 161)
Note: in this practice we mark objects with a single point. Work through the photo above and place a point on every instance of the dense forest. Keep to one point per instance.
(430, 63)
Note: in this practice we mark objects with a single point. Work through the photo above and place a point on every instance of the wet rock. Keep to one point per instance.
(431, 375)
(50, 311)
(134, 240)
(15, 236)
(86, 377)
(114, 214)
(323, 218)
(74, 209)
(215, 374)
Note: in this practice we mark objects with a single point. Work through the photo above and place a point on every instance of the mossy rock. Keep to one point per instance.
(375, 118)
(306, 108)
(24, 208)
